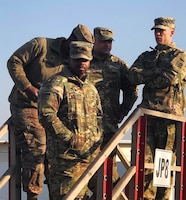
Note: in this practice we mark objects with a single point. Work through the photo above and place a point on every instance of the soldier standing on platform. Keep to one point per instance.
(109, 74)
(70, 111)
(162, 70)
(30, 66)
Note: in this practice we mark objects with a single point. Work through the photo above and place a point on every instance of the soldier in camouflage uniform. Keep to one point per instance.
(109, 75)
(163, 73)
(70, 111)
(29, 67)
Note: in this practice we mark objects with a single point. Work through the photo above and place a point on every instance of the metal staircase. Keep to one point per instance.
(130, 185)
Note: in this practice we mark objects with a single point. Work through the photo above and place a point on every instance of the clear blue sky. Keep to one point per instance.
(131, 21)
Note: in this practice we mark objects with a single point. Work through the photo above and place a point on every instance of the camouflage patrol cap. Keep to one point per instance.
(81, 49)
(164, 23)
(82, 33)
(101, 33)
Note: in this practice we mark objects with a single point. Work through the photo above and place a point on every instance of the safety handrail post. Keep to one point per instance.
(140, 155)
(107, 179)
(104, 181)
(14, 160)
(183, 163)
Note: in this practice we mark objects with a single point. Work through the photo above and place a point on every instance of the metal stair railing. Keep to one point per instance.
(118, 190)
(9, 172)
(121, 188)
(99, 160)
(12, 174)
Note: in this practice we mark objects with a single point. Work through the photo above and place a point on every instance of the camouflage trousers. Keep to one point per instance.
(31, 144)
(160, 134)
(64, 173)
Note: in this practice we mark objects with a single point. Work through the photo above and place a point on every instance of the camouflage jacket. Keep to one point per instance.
(163, 71)
(109, 75)
(32, 64)
(70, 110)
